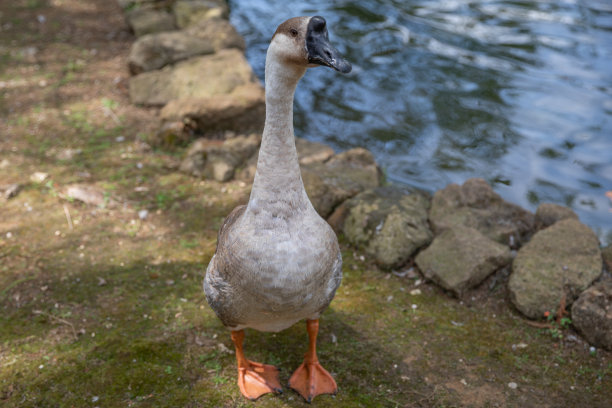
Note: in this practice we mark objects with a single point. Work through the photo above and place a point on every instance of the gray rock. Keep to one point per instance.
(200, 77)
(548, 213)
(561, 260)
(389, 223)
(87, 194)
(11, 190)
(592, 314)
(312, 152)
(476, 205)
(148, 20)
(462, 257)
(217, 159)
(125, 4)
(171, 134)
(340, 178)
(242, 110)
(189, 12)
(154, 51)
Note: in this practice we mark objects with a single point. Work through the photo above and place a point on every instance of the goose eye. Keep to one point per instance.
(293, 32)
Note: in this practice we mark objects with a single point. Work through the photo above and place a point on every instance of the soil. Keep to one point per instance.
(101, 305)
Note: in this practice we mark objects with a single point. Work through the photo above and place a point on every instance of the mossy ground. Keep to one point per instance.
(111, 313)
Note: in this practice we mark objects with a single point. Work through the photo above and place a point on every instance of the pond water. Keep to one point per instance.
(516, 92)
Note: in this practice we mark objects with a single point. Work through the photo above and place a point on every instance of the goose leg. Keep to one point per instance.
(311, 379)
(254, 379)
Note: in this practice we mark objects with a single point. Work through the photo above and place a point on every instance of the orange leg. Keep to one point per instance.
(254, 379)
(311, 379)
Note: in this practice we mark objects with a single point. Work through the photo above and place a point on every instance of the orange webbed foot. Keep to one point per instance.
(256, 379)
(311, 379)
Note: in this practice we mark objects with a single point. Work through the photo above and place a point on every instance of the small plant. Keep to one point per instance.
(557, 326)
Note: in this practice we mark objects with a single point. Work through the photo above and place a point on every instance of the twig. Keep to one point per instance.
(561, 311)
(68, 218)
(58, 319)
(539, 325)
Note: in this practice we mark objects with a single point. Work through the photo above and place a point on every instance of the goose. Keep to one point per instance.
(277, 261)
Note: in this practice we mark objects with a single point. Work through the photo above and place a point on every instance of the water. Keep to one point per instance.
(516, 92)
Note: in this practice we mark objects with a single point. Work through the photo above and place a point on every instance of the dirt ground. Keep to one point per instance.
(101, 305)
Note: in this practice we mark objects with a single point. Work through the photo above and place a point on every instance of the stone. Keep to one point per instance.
(592, 314)
(11, 190)
(125, 4)
(340, 178)
(218, 159)
(476, 205)
(312, 152)
(558, 263)
(200, 77)
(87, 194)
(389, 223)
(171, 134)
(606, 254)
(461, 258)
(548, 213)
(188, 12)
(242, 110)
(147, 20)
(155, 51)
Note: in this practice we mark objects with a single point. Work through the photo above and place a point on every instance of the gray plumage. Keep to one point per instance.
(277, 261)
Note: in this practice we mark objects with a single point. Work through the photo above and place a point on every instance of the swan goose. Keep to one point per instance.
(277, 261)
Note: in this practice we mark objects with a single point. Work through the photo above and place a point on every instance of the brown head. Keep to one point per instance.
(304, 41)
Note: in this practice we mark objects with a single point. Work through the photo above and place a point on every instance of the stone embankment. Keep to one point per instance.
(188, 60)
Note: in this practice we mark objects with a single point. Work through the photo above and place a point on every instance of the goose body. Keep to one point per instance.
(277, 261)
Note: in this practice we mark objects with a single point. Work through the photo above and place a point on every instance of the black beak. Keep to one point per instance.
(320, 50)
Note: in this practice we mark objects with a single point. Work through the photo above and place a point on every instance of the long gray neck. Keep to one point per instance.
(278, 186)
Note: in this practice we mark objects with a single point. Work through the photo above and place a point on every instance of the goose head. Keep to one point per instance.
(304, 41)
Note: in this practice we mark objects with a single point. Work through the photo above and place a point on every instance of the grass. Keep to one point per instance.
(111, 312)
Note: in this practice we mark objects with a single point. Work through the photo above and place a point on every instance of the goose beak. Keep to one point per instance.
(320, 50)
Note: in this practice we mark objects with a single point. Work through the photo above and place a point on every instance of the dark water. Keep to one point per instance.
(516, 92)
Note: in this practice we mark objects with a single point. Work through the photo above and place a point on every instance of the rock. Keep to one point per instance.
(606, 254)
(476, 205)
(592, 314)
(125, 4)
(154, 51)
(68, 154)
(87, 194)
(219, 159)
(242, 110)
(462, 257)
(200, 77)
(39, 177)
(188, 12)
(340, 178)
(147, 20)
(171, 134)
(11, 190)
(312, 152)
(559, 261)
(548, 213)
(389, 223)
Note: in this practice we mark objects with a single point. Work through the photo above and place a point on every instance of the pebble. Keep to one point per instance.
(9, 235)
(39, 177)
(512, 385)
(415, 292)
